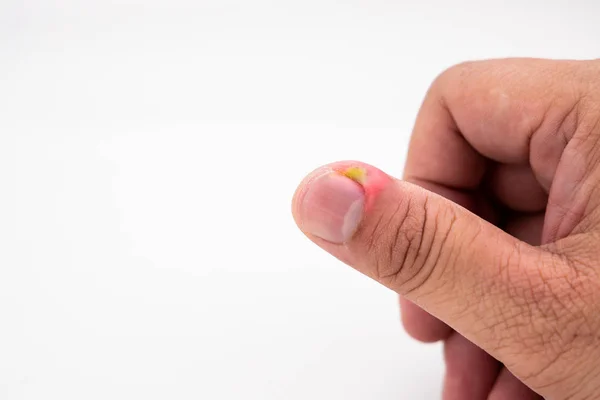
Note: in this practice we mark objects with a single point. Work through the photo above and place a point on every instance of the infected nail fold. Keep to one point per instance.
(357, 174)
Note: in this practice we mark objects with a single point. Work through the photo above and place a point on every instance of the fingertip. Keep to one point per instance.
(330, 201)
(421, 325)
(470, 371)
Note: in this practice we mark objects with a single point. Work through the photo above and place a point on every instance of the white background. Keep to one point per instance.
(149, 151)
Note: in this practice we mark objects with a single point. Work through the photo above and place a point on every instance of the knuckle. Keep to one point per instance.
(455, 72)
(459, 70)
(412, 246)
(390, 245)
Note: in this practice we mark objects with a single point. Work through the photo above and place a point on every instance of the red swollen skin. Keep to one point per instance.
(375, 180)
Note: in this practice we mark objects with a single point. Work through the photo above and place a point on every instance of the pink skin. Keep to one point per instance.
(376, 180)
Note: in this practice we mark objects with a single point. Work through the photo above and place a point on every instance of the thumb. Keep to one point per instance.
(455, 265)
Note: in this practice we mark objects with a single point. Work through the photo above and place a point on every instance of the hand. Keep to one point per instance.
(492, 239)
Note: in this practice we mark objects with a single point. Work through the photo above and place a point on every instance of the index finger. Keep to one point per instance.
(479, 112)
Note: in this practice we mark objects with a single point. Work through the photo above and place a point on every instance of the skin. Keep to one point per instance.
(491, 239)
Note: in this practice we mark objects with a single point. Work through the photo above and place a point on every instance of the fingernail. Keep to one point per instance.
(332, 207)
